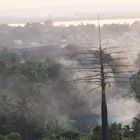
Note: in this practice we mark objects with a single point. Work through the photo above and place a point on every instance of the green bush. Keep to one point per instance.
(13, 136)
(68, 135)
(2, 137)
(96, 133)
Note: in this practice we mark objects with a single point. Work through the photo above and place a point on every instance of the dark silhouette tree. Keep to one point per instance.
(134, 83)
(136, 127)
(105, 69)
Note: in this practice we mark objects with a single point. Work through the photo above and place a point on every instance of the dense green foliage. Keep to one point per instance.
(119, 132)
(13, 136)
(21, 96)
(25, 102)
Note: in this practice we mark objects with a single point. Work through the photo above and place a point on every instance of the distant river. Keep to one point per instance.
(84, 22)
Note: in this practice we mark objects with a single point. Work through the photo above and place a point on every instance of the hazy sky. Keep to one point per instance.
(11, 10)
(14, 4)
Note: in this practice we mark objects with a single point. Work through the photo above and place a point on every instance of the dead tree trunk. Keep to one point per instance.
(104, 113)
(103, 74)
(104, 116)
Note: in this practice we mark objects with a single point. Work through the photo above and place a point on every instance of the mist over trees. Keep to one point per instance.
(37, 101)
(41, 34)
(34, 94)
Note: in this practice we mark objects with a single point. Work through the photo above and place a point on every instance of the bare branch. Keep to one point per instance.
(87, 78)
(93, 89)
(115, 82)
(119, 52)
(90, 59)
(116, 72)
(116, 65)
(116, 77)
(89, 82)
(86, 68)
(108, 48)
(89, 70)
(115, 59)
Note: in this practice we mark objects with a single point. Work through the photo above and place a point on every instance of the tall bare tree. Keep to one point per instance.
(106, 70)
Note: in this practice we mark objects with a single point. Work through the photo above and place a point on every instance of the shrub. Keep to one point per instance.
(2, 137)
(68, 135)
(13, 136)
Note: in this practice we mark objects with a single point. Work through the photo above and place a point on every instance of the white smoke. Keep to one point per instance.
(123, 109)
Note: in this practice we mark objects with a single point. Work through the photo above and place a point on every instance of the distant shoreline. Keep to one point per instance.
(85, 22)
